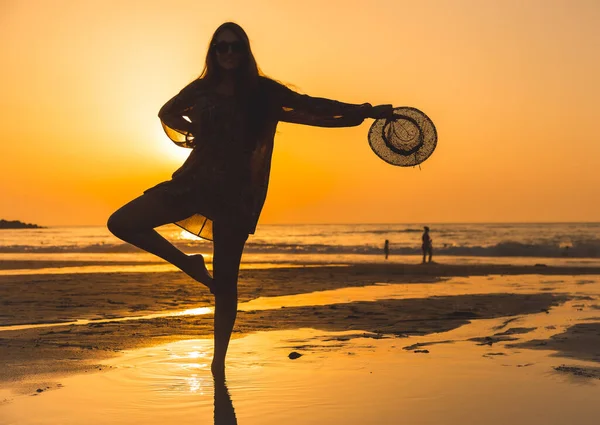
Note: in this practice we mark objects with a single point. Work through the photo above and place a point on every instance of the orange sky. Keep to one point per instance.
(512, 87)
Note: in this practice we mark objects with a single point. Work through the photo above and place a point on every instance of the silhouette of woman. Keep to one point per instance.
(228, 117)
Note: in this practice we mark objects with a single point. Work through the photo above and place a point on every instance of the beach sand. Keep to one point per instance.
(419, 329)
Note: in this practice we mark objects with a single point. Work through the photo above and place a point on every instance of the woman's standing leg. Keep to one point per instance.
(228, 247)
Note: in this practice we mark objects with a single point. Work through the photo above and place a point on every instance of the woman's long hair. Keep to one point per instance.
(247, 73)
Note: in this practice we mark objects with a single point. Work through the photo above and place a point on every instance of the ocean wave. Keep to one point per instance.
(583, 249)
(359, 231)
(380, 231)
(578, 249)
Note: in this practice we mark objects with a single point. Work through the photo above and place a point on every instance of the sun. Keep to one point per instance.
(175, 153)
(168, 150)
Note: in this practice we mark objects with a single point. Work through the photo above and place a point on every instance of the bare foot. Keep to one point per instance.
(198, 271)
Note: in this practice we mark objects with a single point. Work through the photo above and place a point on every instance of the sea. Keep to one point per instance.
(279, 244)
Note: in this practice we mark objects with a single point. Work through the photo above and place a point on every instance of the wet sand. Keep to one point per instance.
(69, 297)
(492, 313)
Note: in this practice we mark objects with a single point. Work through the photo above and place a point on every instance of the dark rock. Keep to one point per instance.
(579, 371)
(16, 224)
(294, 355)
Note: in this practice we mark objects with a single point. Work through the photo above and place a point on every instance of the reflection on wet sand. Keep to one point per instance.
(224, 411)
(344, 377)
(452, 352)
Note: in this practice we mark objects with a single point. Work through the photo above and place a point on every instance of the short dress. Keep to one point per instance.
(226, 176)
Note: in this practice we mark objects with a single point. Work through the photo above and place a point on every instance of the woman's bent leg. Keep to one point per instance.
(135, 222)
(228, 247)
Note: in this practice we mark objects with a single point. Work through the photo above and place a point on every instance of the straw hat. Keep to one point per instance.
(407, 139)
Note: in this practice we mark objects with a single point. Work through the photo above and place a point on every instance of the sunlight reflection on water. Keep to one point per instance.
(378, 383)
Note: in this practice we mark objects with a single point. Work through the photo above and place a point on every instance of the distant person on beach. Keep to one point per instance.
(426, 245)
(386, 248)
(228, 118)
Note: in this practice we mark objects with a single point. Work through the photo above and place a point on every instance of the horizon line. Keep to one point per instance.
(367, 223)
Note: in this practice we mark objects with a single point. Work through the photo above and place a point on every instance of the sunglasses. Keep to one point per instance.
(226, 47)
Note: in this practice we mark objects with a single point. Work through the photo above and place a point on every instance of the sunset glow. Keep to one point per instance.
(512, 87)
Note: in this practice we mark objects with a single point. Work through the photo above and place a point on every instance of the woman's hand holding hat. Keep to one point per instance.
(381, 111)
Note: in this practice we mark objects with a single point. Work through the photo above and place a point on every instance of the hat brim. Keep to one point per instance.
(406, 140)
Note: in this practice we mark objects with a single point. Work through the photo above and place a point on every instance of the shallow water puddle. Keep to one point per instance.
(136, 268)
(355, 381)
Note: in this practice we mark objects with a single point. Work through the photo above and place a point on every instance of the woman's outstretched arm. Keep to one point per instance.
(303, 109)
